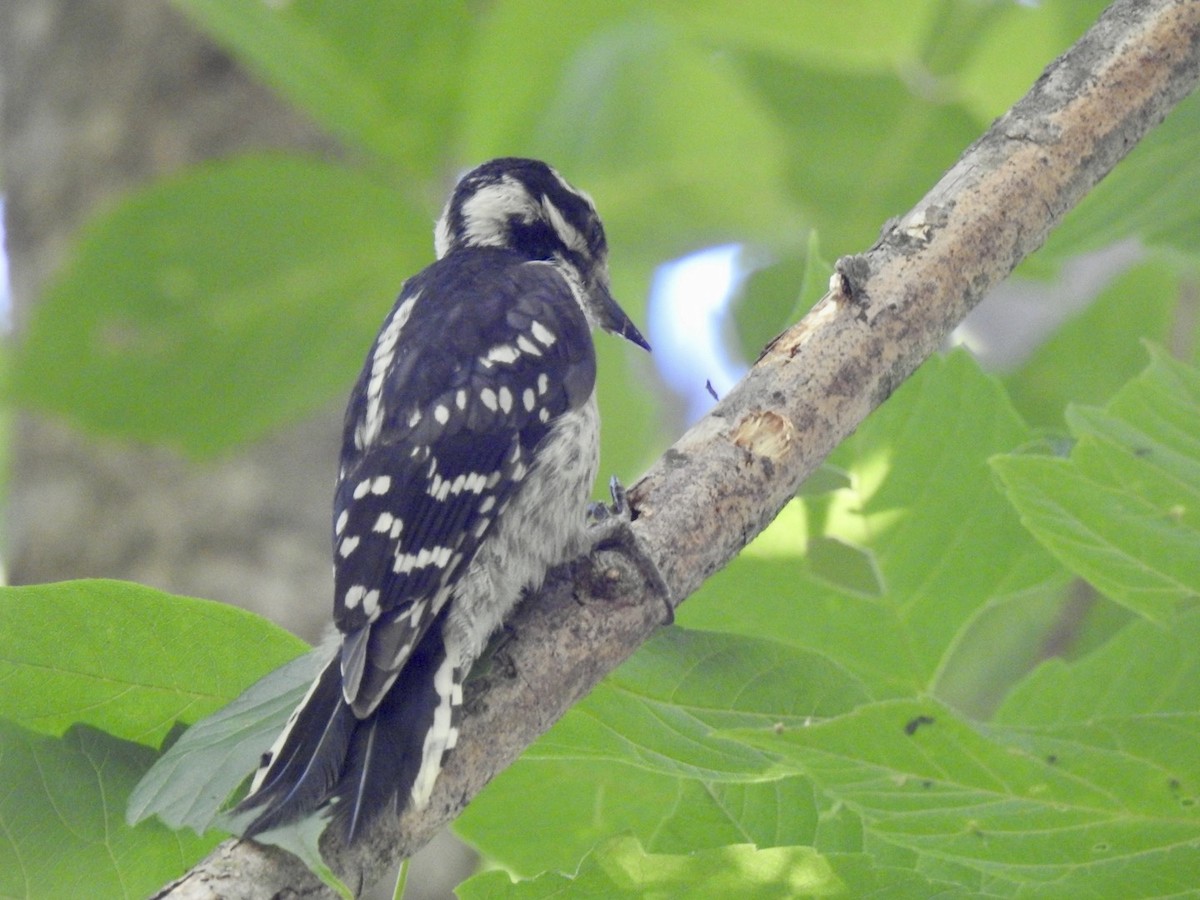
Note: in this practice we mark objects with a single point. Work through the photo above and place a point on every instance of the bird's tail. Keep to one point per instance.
(300, 771)
(391, 758)
(396, 753)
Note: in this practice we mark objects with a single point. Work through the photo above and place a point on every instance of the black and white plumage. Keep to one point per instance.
(469, 452)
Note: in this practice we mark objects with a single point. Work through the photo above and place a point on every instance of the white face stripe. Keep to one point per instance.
(567, 232)
(486, 212)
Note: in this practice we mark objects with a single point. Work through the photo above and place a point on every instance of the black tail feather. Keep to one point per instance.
(304, 768)
(388, 746)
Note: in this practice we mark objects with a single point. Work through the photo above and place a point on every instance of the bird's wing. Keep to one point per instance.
(439, 435)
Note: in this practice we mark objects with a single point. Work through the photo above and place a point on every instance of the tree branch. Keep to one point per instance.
(727, 478)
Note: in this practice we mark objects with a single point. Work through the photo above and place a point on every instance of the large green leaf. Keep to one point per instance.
(621, 868)
(208, 309)
(859, 34)
(1097, 810)
(381, 74)
(133, 662)
(638, 754)
(658, 711)
(851, 173)
(944, 543)
(1124, 510)
(124, 658)
(62, 829)
(567, 807)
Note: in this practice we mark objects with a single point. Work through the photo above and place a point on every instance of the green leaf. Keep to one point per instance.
(383, 75)
(871, 165)
(944, 543)
(1145, 672)
(622, 868)
(125, 658)
(853, 34)
(1139, 304)
(590, 802)
(1056, 812)
(638, 754)
(658, 711)
(207, 309)
(189, 784)
(847, 567)
(618, 97)
(61, 819)
(1124, 510)
(999, 49)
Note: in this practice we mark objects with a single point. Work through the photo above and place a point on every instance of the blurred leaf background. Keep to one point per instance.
(868, 688)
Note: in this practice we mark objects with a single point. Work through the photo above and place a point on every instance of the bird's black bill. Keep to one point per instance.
(615, 320)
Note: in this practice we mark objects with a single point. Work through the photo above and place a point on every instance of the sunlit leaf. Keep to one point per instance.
(1124, 510)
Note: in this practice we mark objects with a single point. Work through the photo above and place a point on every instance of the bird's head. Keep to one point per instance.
(525, 206)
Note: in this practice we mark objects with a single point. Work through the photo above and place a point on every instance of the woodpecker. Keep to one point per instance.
(469, 451)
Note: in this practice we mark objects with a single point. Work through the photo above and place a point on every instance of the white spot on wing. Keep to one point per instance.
(381, 485)
(348, 546)
(528, 399)
(527, 346)
(503, 353)
(543, 334)
(488, 397)
(342, 519)
(427, 556)
(442, 414)
(506, 399)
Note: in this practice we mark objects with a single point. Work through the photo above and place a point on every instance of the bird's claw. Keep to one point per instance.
(611, 527)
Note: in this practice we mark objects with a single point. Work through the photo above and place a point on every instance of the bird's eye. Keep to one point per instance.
(536, 239)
